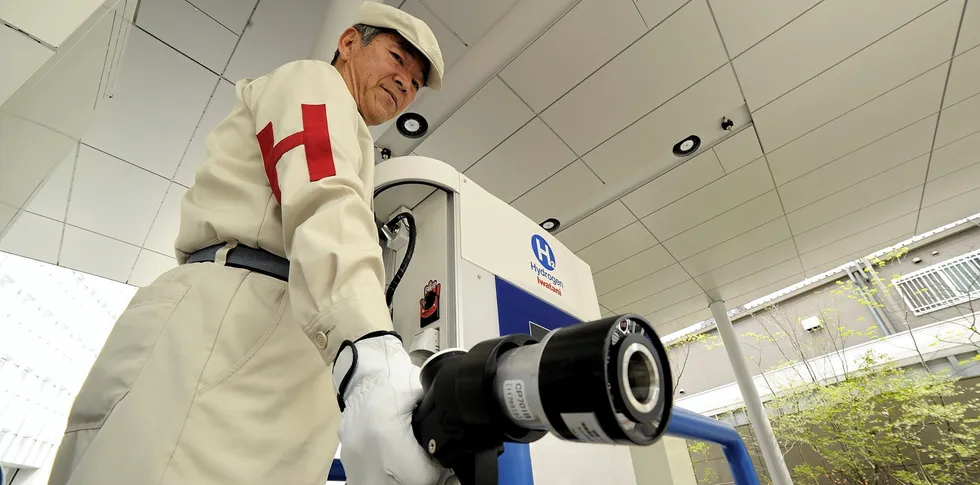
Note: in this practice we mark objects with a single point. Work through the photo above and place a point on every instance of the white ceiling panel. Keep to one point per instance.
(649, 285)
(563, 49)
(280, 31)
(631, 269)
(954, 156)
(807, 46)
(891, 208)
(747, 265)
(129, 125)
(680, 51)
(33, 236)
(737, 301)
(740, 246)
(469, 18)
(878, 234)
(488, 118)
(958, 121)
(452, 48)
(949, 210)
(886, 114)
(188, 30)
(746, 22)
(963, 78)
(232, 14)
(7, 214)
(619, 246)
(596, 226)
(886, 153)
(687, 177)
(754, 281)
(648, 142)
(21, 57)
(222, 102)
(149, 266)
(899, 179)
(656, 11)
(680, 315)
(970, 29)
(163, 233)
(96, 254)
(390, 200)
(24, 164)
(123, 209)
(749, 215)
(912, 50)
(739, 150)
(959, 182)
(51, 199)
(663, 299)
(522, 161)
(559, 191)
(712, 200)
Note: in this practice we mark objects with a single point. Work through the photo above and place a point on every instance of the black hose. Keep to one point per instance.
(393, 225)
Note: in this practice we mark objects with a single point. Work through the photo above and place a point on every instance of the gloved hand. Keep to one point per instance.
(378, 387)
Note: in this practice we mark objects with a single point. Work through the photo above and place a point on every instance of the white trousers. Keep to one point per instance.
(205, 379)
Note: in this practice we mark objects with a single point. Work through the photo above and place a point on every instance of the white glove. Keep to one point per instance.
(378, 388)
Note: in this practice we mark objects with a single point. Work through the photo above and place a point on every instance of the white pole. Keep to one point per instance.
(753, 403)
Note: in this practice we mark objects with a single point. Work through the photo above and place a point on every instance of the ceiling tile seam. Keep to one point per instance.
(881, 199)
(736, 260)
(594, 271)
(156, 216)
(655, 238)
(781, 27)
(189, 2)
(644, 115)
(682, 317)
(136, 13)
(636, 7)
(864, 252)
(668, 305)
(124, 160)
(939, 116)
(854, 54)
(71, 188)
(623, 306)
(946, 199)
(414, 144)
(8, 114)
(171, 256)
(123, 38)
(736, 280)
(195, 61)
(238, 41)
(441, 21)
(180, 184)
(194, 132)
(728, 56)
(637, 278)
(675, 167)
(964, 136)
(876, 224)
(99, 233)
(718, 159)
(535, 39)
(614, 56)
(923, 73)
(38, 188)
(694, 278)
(552, 176)
(872, 142)
(105, 62)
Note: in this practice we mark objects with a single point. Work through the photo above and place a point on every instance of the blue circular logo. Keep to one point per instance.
(542, 252)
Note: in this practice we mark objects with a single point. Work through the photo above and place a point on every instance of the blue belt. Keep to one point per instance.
(248, 258)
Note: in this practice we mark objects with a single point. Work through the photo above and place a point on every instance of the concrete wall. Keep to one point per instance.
(707, 364)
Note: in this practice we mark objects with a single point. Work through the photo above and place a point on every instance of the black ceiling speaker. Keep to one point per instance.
(412, 125)
(687, 146)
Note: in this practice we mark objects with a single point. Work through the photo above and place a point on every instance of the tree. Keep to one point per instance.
(679, 352)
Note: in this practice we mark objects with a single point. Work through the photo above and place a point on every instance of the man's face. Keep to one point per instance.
(386, 77)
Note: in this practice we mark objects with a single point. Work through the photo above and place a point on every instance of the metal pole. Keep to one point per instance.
(753, 403)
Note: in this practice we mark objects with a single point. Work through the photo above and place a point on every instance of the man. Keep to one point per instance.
(220, 371)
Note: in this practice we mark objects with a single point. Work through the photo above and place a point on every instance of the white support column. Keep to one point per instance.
(750, 395)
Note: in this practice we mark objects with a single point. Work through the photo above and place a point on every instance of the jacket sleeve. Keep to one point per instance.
(307, 126)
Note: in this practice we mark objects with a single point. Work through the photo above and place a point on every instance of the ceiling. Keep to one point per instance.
(857, 124)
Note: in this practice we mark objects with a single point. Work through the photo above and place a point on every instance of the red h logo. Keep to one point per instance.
(315, 139)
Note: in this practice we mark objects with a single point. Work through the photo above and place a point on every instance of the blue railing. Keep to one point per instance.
(515, 463)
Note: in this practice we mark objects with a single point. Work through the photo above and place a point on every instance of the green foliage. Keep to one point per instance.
(881, 424)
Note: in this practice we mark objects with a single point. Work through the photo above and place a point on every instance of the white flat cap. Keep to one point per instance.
(412, 29)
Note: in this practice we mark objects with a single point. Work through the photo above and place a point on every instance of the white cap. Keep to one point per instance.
(412, 29)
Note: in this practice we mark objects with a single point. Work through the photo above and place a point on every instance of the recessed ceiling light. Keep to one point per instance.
(551, 224)
(687, 146)
(412, 125)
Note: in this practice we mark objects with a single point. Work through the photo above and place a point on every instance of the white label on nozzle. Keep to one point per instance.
(515, 392)
(586, 427)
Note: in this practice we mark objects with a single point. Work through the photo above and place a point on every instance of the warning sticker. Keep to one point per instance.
(585, 427)
(515, 392)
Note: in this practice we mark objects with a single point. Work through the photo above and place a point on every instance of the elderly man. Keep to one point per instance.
(230, 368)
